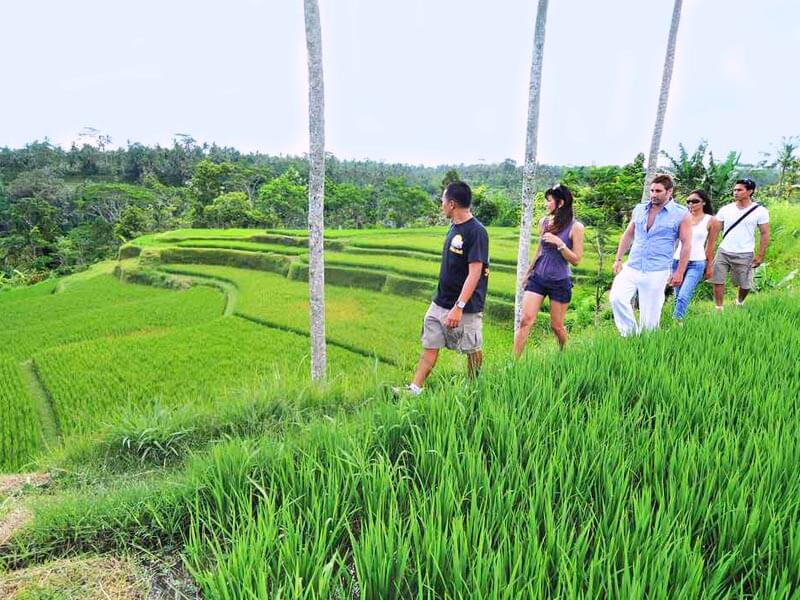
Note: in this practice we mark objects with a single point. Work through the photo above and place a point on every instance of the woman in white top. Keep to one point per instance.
(705, 228)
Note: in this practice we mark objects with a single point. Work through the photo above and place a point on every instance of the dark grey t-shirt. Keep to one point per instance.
(465, 243)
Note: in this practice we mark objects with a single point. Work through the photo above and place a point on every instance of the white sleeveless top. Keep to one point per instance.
(699, 235)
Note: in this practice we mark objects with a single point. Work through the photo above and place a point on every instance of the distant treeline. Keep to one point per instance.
(63, 209)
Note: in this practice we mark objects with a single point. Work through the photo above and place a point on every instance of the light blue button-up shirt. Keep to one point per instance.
(652, 250)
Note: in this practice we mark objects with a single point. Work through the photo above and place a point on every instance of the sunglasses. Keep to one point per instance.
(693, 201)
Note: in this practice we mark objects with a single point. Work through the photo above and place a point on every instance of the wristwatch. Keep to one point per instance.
(461, 304)
(561, 247)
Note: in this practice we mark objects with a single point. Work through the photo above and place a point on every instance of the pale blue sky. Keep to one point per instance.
(415, 81)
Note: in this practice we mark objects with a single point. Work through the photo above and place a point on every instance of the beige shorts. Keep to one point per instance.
(738, 264)
(467, 338)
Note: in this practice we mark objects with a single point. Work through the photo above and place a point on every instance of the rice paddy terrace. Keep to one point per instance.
(168, 394)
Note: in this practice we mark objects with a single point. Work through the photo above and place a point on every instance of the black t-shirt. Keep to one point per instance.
(465, 243)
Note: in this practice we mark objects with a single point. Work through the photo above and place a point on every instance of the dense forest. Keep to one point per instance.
(61, 210)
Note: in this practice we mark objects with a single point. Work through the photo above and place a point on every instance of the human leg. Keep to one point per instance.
(531, 304)
(474, 361)
(651, 298)
(558, 311)
(683, 294)
(620, 296)
(719, 274)
(427, 361)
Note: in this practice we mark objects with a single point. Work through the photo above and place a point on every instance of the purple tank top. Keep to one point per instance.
(551, 265)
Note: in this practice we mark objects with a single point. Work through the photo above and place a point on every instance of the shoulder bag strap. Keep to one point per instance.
(742, 218)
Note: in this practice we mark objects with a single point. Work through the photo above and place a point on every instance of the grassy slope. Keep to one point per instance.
(662, 466)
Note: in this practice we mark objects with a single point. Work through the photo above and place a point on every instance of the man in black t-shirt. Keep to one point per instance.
(455, 317)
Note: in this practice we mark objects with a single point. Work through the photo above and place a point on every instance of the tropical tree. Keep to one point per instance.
(529, 170)
(666, 78)
(316, 189)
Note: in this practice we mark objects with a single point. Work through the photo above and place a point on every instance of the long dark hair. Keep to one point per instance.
(707, 207)
(563, 215)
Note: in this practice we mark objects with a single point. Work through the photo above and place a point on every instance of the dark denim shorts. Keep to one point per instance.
(559, 290)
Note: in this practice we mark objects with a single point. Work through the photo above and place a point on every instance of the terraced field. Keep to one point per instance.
(404, 262)
(173, 386)
(219, 314)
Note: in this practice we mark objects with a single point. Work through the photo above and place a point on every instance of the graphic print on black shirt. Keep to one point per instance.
(465, 243)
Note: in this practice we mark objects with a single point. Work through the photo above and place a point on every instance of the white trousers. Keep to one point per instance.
(650, 287)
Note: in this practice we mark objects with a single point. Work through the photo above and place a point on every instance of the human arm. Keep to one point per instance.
(685, 236)
(714, 227)
(473, 276)
(763, 228)
(624, 245)
(576, 236)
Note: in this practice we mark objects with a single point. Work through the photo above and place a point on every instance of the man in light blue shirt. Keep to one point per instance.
(651, 235)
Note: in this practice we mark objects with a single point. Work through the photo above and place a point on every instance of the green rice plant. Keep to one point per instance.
(657, 466)
(97, 383)
(99, 307)
(20, 432)
(244, 245)
(361, 320)
(660, 466)
(500, 283)
(219, 256)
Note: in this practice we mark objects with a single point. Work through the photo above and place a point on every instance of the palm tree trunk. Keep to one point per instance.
(669, 60)
(529, 170)
(316, 189)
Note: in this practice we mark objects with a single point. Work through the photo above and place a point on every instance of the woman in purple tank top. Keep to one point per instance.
(560, 245)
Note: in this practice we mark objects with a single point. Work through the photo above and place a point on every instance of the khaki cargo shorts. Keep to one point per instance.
(738, 264)
(467, 338)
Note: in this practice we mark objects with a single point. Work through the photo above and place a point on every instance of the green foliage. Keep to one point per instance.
(451, 176)
(690, 172)
(232, 209)
(129, 251)
(233, 258)
(20, 432)
(349, 206)
(138, 189)
(108, 201)
(611, 192)
(493, 207)
(284, 199)
(400, 204)
(787, 165)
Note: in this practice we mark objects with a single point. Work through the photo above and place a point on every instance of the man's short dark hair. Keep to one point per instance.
(748, 183)
(664, 180)
(459, 192)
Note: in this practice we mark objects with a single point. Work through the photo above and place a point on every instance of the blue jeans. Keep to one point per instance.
(693, 275)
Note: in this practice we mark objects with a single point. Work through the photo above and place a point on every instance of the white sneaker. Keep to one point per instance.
(412, 389)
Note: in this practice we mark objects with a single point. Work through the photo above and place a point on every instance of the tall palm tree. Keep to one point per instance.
(529, 170)
(316, 189)
(666, 77)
